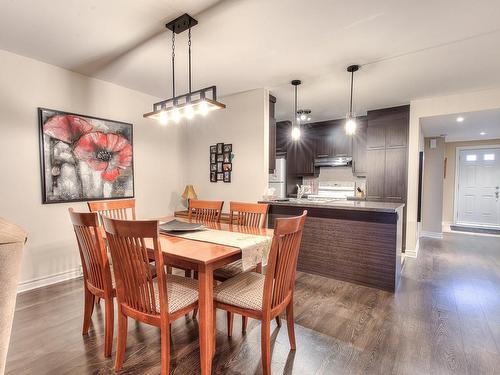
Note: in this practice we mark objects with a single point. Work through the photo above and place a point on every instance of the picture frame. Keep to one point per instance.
(220, 176)
(220, 148)
(213, 177)
(227, 177)
(213, 167)
(220, 158)
(72, 170)
(226, 157)
(228, 147)
(213, 158)
(213, 149)
(227, 167)
(219, 167)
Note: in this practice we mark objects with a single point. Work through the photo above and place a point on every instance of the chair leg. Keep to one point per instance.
(108, 333)
(187, 273)
(244, 322)
(290, 325)
(265, 338)
(121, 344)
(165, 348)
(278, 321)
(195, 311)
(230, 317)
(88, 310)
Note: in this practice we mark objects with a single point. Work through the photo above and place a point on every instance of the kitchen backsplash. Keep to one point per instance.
(329, 174)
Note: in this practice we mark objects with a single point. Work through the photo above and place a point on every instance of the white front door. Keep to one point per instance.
(478, 200)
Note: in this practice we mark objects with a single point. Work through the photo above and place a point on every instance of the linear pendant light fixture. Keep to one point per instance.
(194, 102)
(296, 119)
(350, 124)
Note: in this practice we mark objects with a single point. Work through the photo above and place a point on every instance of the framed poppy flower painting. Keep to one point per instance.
(84, 158)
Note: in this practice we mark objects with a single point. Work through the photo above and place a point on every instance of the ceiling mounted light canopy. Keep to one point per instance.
(350, 124)
(192, 103)
(296, 120)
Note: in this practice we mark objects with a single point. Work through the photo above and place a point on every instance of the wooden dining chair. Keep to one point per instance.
(252, 215)
(208, 211)
(97, 273)
(140, 297)
(122, 209)
(266, 297)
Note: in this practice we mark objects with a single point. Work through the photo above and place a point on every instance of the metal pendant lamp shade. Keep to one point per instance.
(199, 102)
(350, 124)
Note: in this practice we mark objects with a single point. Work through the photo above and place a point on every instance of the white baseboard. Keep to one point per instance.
(413, 253)
(49, 280)
(438, 235)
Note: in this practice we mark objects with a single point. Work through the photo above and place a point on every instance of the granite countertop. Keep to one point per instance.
(340, 204)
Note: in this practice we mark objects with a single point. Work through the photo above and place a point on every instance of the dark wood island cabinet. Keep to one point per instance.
(358, 242)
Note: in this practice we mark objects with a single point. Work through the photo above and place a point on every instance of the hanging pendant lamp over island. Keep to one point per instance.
(192, 103)
(350, 124)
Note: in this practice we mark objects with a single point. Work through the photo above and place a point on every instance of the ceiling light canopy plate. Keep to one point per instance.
(181, 23)
(353, 68)
(296, 82)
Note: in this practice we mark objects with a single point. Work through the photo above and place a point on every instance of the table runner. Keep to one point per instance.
(254, 248)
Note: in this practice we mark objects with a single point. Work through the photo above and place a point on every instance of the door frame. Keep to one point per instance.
(457, 176)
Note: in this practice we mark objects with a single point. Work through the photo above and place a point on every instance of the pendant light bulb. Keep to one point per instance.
(203, 108)
(176, 116)
(350, 126)
(189, 112)
(303, 117)
(163, 117)
(295, 133)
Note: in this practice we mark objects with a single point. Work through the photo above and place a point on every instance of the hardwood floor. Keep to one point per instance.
(444, 319)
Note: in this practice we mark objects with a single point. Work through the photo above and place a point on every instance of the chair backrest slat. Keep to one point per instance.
(282, 263)
(248, 214)
(95, 262)
(129, 251)
(207, 211)
(121, 209)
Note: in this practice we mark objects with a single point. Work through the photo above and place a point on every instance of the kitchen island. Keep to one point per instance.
(354, 241)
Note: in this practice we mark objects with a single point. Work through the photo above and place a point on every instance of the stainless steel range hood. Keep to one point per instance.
(338, 161)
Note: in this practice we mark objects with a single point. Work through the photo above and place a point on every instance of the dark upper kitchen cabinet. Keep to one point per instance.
(272, 134)
(359, 159)
(323, 142)
(387, 140)
(375, 183)
(342, 143)
(395, 174)
(283, 129)
(302, 153)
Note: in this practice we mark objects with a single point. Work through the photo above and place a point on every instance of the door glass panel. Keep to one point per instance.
(471, 157)
(489, 157)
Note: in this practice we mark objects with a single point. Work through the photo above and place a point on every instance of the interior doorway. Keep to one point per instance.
(477, 186)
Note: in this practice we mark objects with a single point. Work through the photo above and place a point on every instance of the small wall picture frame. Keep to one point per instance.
(227, 176)
(213, 177)
(213, 167)
(220, 158)
(219, 167)
(226, 157)
(213, 149)
(228, 147)
(227, 167)
(220, 147)
(220, 176)
(213, 158)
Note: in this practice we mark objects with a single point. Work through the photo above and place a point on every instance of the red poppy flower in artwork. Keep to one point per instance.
(67, 128)
(105, 152)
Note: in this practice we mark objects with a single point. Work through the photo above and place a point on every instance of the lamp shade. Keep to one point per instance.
(189, 193)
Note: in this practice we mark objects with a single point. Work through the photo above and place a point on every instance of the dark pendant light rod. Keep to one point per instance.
(173, 66)
(189, 54)
(351, 69)
(296, 83)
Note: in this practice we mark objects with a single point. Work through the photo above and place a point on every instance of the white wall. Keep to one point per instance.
(432, 198)
(245, 124)
(460, 103)
(25, 84)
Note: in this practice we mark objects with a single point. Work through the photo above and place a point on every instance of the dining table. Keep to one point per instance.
(204, 257)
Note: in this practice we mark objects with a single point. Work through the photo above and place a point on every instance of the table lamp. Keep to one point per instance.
(189, 193)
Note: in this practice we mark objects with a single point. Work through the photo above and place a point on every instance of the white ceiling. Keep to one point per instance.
(409, 49)
(469, 129)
